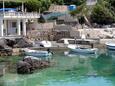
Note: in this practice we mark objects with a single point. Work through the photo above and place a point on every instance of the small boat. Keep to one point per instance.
(82, 50)
(85, 50)
(110, 46)
(37, 53)
(42, 44)
(46, 43)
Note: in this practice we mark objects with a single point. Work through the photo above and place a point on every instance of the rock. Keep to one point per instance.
(23, 67)
(29, 64)
(22, 43)
(10, 43)
(3, 43)
(44, 64)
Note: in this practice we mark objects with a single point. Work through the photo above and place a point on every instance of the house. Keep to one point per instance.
(13, 23)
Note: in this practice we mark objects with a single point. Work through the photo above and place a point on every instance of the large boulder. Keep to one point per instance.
(22, 43)
(29, 64)
(23, 67)
(5, 49)
(10, 42)
(7, 43)
(3, 43)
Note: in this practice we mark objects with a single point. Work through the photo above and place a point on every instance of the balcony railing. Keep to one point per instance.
(19, 14)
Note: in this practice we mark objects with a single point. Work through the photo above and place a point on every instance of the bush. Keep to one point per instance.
(102, 15)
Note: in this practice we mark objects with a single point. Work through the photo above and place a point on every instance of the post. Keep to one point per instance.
(24, 26)
(3, 6)
(1, 28)
(18, 27)
(22, 7)
(5, 27)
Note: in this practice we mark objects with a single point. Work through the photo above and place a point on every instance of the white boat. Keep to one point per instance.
(82, 50)
(110, 46)
(43, 43)
(36, 53)
(85, 50)
(46, 43)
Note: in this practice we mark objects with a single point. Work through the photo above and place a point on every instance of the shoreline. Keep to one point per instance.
(62, 47)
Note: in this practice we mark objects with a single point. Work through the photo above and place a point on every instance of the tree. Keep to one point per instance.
(102, 14)
(59, 2)
(10, 4)
(37, 5)
(76, 2)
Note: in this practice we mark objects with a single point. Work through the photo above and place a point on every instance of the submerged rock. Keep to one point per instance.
(23, 67)
(29, 64)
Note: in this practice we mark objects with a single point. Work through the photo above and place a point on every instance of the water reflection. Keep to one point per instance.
(81, 55)
(104, 65)
(111, 53)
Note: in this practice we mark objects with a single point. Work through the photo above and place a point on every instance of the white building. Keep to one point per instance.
(13, 23)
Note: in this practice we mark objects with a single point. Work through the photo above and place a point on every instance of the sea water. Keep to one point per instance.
(69, 70)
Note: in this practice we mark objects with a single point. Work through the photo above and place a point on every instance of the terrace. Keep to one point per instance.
(13, 21)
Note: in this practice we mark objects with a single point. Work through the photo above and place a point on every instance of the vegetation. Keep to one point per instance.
(102, 13)
(10, 4)
(41, 5)
(76, 2)
(37, 5)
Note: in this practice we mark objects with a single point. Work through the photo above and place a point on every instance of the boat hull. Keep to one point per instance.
(84, 51)
(37, 53)
(110, 46)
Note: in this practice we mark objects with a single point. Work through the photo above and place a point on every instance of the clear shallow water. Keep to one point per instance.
(73, 70)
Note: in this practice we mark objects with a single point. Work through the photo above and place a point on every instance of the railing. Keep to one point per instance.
(19, 14)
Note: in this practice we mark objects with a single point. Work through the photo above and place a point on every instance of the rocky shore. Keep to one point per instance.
(28, 65)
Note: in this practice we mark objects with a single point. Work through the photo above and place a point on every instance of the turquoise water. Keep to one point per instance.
(72, 70)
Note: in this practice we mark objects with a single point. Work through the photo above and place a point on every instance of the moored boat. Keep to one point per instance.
(83, 50)
(37, 53)
(110, 46)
